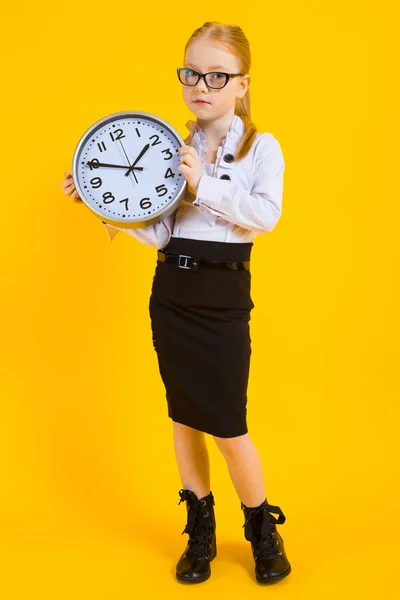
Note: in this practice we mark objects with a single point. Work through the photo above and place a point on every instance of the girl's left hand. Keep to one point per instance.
(191, 167)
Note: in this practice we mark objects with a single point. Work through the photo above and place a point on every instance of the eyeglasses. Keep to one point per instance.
(213, 80)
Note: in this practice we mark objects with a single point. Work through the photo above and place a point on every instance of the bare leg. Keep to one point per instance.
(192, 458)
(245, 468)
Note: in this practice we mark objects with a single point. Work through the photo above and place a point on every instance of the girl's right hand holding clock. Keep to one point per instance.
(70, 189)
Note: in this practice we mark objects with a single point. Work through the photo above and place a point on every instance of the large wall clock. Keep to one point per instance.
(125, 169)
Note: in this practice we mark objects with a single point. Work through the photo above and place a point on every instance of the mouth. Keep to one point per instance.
(201, 102)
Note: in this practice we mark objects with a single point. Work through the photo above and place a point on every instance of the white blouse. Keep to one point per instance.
(235, 200)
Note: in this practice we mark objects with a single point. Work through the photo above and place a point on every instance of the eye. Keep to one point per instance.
(188, 72)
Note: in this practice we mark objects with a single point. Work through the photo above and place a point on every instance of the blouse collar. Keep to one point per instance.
(229, 143)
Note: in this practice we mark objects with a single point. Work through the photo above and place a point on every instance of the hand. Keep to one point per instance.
(96, 164)
(69, 186)
(191, 167)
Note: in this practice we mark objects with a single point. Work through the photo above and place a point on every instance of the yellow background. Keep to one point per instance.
(88, 503)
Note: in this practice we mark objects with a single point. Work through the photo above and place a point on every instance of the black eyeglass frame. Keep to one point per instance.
(203, 75)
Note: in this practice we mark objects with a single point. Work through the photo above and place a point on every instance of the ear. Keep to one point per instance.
(245, 82)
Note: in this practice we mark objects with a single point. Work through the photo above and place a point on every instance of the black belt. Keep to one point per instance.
(189, 262)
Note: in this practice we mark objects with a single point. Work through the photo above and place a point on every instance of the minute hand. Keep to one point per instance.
(99, 164)
(147, 146)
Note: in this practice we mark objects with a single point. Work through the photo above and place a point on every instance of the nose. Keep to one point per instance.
(201, 86)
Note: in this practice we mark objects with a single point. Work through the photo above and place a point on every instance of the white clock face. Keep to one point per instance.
(125, 168)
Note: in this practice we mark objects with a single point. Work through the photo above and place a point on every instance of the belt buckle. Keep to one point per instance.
(184, 266)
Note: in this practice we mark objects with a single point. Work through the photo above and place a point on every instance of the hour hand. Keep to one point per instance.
(94, 164)
(143, 151)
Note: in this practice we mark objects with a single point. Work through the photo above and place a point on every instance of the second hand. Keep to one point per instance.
(133, 173)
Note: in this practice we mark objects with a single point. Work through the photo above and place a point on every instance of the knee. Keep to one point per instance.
(230, 447)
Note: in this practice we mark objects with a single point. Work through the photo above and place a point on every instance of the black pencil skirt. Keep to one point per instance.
(200, 321)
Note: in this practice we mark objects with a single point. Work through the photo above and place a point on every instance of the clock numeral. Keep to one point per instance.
(126, 201)
(161, 188)
(93, 164)
(96, 182)
(156, 141)
(138, 132)
(169, 173)
(169, 154)
(108, 195)
(145, 203)
(101, 146)
(119, 134)
(108, 198)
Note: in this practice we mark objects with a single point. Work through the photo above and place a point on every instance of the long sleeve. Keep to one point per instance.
(156, 235)
(257, 211)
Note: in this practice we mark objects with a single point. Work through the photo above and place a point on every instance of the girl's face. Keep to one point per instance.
(203, 56)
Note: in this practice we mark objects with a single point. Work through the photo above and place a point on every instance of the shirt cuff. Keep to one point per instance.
(210, 190)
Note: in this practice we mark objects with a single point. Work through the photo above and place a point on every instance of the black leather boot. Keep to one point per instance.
(194, 564)
(271, 563)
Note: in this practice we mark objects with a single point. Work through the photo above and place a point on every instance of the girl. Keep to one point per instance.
(200, 302)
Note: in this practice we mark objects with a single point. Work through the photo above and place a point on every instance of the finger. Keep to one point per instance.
(69, 189)
(183, 169)
(186, 149)
(188, 158)
(67, 175)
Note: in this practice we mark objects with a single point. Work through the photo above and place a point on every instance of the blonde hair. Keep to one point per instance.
(234, 40)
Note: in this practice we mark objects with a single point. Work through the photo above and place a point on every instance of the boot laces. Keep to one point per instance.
(197, 526)
(263, 540)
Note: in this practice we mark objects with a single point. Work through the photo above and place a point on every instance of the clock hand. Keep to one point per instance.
(99, 164)
(128, 162)
(147, 146)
